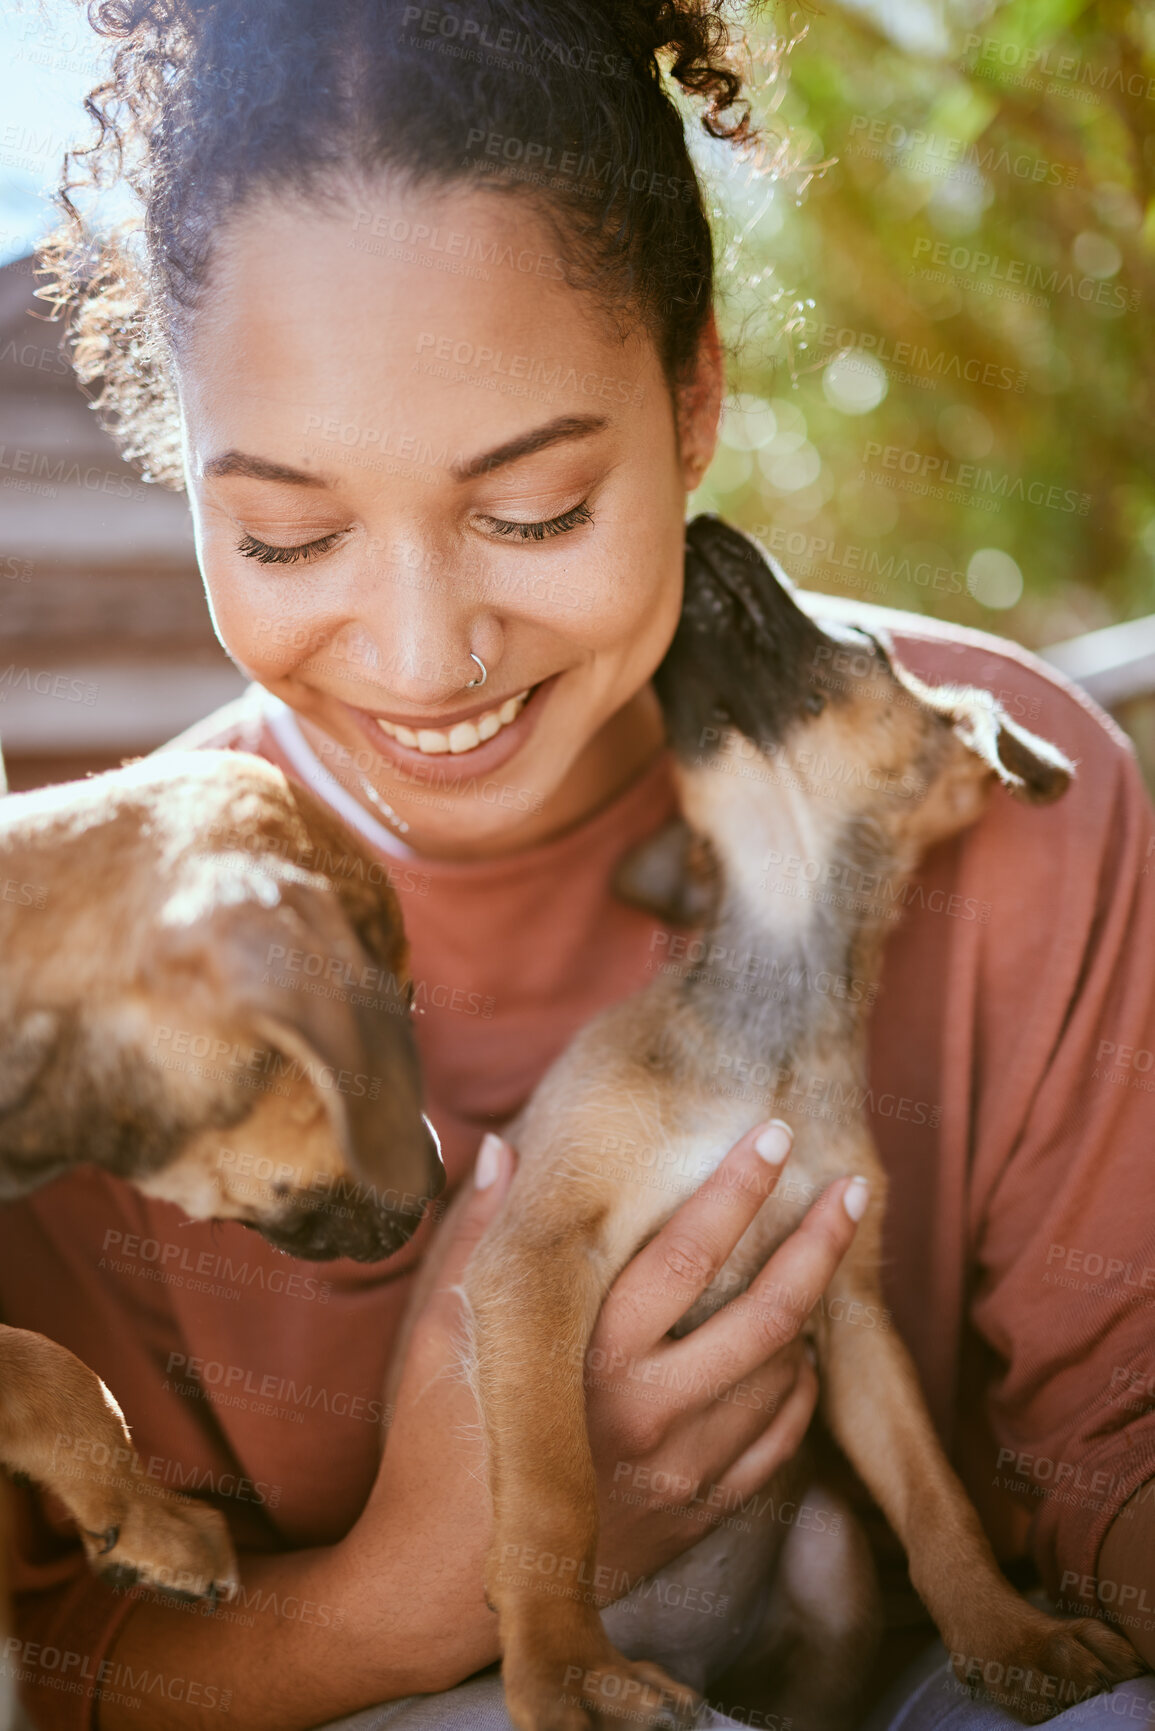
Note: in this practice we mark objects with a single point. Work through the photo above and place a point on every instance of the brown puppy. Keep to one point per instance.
(857, 773)
(203, 989)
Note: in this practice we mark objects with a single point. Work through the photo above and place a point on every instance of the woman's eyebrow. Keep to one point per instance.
(259, 469)
(524, 445)
(551, 433)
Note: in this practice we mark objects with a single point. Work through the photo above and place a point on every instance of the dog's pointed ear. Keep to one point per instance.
(278, 961)
(672, 874)
(1029, 767)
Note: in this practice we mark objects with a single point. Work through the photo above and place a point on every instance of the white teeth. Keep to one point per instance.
(465, 736)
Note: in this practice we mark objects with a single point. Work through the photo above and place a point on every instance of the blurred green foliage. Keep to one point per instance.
(942, 343)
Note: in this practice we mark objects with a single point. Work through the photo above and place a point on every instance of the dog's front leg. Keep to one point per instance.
(535, 1286)
(1032, 1663)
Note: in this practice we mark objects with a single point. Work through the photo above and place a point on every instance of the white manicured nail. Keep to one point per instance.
(855, 1198)
(488, 1161)
(773, 1143)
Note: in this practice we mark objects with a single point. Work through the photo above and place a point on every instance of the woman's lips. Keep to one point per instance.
(481, 759)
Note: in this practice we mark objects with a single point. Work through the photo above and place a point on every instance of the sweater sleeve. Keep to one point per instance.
(1061, 1228)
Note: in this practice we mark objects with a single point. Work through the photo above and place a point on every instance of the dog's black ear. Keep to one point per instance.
(278, 958)
(672, 874)
(1029, 767)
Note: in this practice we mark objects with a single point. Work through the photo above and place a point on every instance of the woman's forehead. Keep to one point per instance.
(357, 347)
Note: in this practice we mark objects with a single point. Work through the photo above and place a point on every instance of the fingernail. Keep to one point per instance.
(773, 1142)
(488, 1161)
(855, 1197)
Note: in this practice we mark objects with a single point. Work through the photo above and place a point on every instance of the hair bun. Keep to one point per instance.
(699, 35)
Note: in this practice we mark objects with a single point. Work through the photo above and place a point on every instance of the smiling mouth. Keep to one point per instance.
(463, 735)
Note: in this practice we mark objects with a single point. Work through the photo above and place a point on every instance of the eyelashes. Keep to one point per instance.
(250, 548)
(541, 531)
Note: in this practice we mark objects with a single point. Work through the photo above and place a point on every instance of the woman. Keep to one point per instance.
(422, 321)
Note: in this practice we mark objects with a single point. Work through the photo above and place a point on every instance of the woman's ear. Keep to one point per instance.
(699, 406)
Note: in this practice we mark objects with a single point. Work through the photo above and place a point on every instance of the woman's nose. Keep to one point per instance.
(411, 630)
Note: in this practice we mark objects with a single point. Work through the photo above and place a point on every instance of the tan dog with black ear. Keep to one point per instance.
(857, 774)
(164, 919)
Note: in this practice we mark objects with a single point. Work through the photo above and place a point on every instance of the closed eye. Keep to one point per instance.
(540, 531)
(251, 548)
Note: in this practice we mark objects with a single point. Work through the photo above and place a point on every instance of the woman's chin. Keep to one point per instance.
(466, 824)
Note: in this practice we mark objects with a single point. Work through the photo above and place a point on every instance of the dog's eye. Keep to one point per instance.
(815, 702)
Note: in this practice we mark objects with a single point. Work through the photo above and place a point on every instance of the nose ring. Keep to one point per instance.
(470, 683)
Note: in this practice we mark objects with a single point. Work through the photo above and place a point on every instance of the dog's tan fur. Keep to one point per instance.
(643, 1076)
(167, 896)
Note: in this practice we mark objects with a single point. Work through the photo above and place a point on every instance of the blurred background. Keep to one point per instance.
(938, 290)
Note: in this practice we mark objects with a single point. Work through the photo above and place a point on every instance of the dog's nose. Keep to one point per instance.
(366, 1234)
(353, 1217)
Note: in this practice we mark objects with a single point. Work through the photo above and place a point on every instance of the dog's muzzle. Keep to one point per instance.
(351, 1217)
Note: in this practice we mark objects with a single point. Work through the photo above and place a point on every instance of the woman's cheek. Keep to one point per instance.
(599, 605)
(257, 625)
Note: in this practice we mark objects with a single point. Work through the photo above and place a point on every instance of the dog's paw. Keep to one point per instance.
(1049, 1664)
(169, 1543)
(599, 1695)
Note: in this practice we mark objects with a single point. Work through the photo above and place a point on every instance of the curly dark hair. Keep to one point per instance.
(211, 103)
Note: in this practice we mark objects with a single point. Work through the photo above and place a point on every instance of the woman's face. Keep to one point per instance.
(408, 442)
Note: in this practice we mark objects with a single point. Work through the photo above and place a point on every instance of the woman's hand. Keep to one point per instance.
(683, 1429)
